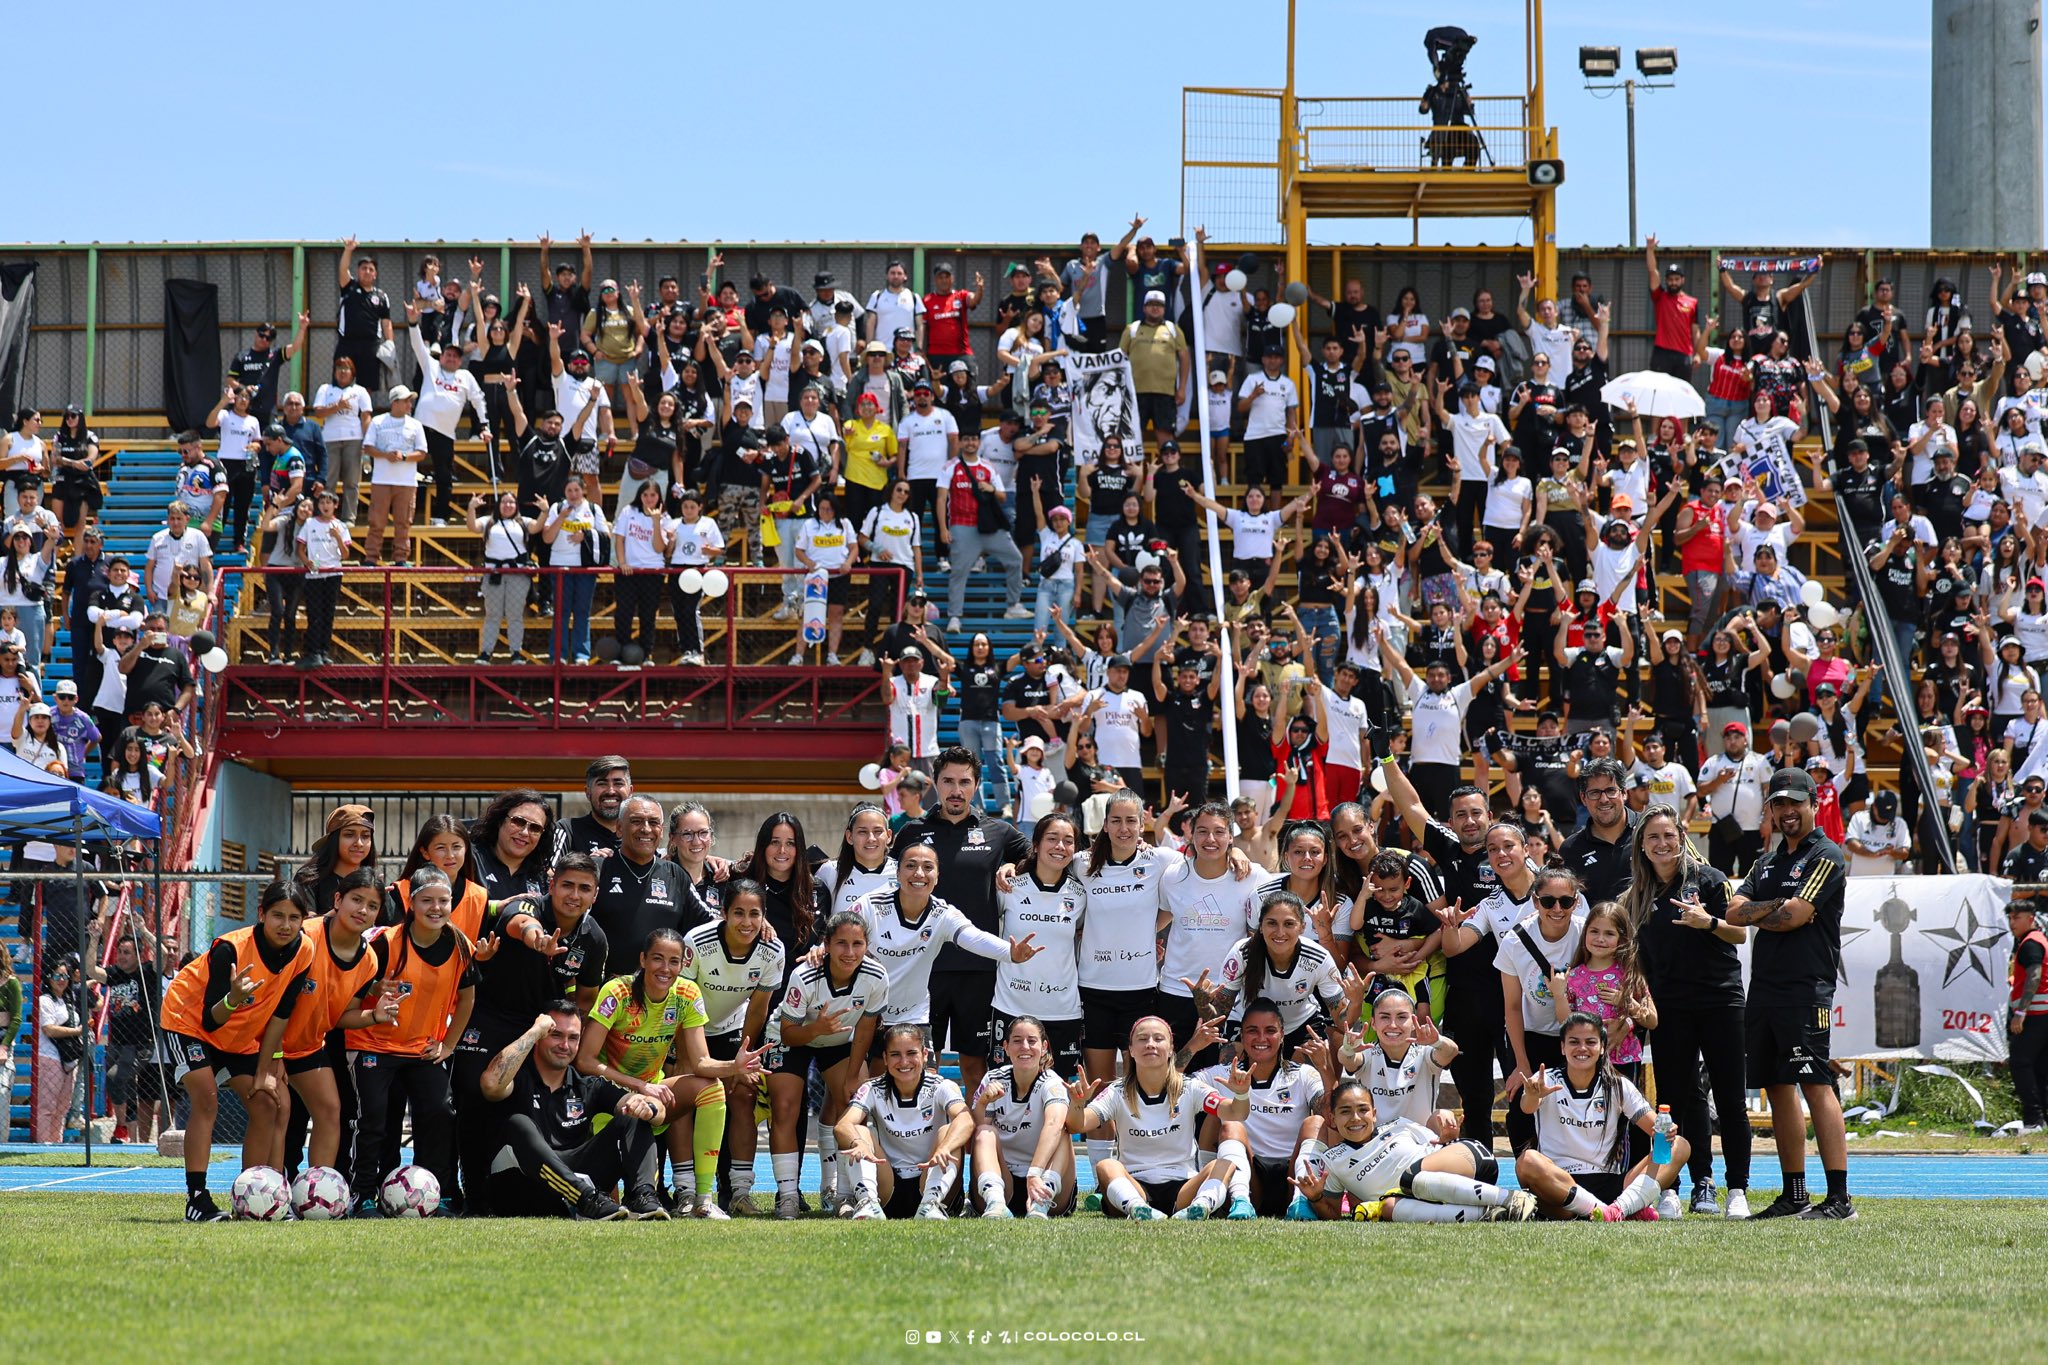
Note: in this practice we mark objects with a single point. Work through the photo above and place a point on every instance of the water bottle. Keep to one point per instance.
(1660, 1138)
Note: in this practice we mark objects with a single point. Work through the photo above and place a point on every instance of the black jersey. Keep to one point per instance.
(1691, 968)
(634, 901)
(563, 1114)
(1800, 966)
(515, 982)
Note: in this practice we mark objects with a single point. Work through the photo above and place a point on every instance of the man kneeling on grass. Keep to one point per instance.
(567, 1139)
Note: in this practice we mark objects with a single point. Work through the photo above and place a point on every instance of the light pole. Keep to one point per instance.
(1600, 66)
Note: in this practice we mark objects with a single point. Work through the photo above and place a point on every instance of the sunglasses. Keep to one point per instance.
(530, 826)
(1555, 902)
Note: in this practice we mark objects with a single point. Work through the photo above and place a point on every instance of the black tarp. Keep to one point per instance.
(192, 364)
(17, 312)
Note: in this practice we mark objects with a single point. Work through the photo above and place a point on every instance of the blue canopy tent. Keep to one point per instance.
(40, 805)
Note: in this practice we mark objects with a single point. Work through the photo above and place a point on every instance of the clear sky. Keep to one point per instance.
(836, 121)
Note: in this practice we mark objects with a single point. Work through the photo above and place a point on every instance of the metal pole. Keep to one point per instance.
(1226, 686)
(83, 911)
(92, 327)
(1630, 87)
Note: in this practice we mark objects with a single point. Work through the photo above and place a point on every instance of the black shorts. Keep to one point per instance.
(962, 1005)
(796, 1061)
(1160, 1194)
(1161, 411)
(126, 1063)
(904, 1198)
(839, 591)
(722, 1047)
(1788, 1044)
(196, 1054)
(1271, 1190)
(1062, 1037)
(1605, 1186)
(1180, 1015)
(1107, 1016)
(316, 1060)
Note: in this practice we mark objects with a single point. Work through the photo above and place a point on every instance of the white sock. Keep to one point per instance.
(828, 1161)
(937, 1181)
(1211, 1194)
(1402, 1210)
(742, 1179)
(788, 1165)
(1309, 1159)
(864, 1179)
(1052, 1185)
(1640, 1194)
(848, 1180)
(1099, 1151)
(1442, 1187)
(989, 1185)
(1123, 1195)
(1203, 1156)
(686, 1180)
(1232, 1151)
(1581, 1204)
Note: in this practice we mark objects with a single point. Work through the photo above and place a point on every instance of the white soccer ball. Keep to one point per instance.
(409, 1192)
(320, 1193)
(260, 1194)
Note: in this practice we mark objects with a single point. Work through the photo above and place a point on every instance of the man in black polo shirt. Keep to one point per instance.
(159, 673)
(1188, 707)
(548, 1156)
(1599, 853)
(256, 365)
(971, 846)
(1944, 496)
(1175, 514)
(638, 890)
(607, 782)
(363, 319)
(2028, 861)
(1794, 897)
(769, 296)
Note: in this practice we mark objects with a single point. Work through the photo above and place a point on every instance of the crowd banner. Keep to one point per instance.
(1923, 971)
(1105, 403)
(1771, 265)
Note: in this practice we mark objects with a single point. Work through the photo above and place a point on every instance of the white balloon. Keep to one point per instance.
(871, 776)
(1040, 805)
(1813, 594)
(1234, 281)
(715, 582)
(1781, 687)
(1821, 616)
(1378, 779)
(690, 580)
(214, 660)
(1280, 314)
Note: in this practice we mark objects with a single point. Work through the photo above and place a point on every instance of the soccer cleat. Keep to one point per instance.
(366, 1207)
(829, 1201)
(1299, 1210)
(1240, 1209)
(1832, 1210)
(789, 1207)
(1145, 1213)
(1703, 1200)
(1037, 1211)
(929, 1210)
(846, 1207)
(1193, 1213)
(1520, 1208)
(1669, 1205)
(598, 1207)
(1091, 1202)
(868, 1211)
(200, 1208)
(644, 1205)
(1738, 1204)
(706, 1206)
(997, 1209)
(445, 1209)
(1608, 1213)
(742, 1205)
(1368, 1211)
(1784, 1206)
(1643, 1215)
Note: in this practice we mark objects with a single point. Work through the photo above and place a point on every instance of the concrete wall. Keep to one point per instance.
(1986, 124)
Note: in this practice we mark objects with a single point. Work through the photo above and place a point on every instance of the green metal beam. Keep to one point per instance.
(298, 307)
(92, 326)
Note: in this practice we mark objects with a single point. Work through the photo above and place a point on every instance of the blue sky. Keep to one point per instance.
(893, 123)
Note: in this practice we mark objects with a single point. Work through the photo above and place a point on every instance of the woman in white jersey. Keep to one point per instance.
(1403, 1065)
(737, 969)
(1155, 1114)
(1203, 912)
(1287, 1110)
(864, 865)
(694, 544)
(1305, 872)
(904, 1132)
(828, 1016)
(1582, 1111)
(828, 542)
(1396, 1171)
(1277, 963)
(1045, 902)
(1023, 1157)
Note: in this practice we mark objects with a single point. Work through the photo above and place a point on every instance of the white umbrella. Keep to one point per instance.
(1656, 395)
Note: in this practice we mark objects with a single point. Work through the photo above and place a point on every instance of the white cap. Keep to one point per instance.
(1155, 296)
(1218, 377)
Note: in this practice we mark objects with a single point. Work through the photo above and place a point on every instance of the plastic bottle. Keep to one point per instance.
(1660, 1139)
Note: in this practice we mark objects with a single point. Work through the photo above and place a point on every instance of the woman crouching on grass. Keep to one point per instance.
(1583, 1111)
(1287, 1112)
(904, 1132)
(1155, 1115)
(1023, 1160)
(1402, 1065)
(226, 1014)
(1396, 1172)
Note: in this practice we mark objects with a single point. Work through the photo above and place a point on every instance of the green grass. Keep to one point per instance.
(101, 1156)
(1938, 1275)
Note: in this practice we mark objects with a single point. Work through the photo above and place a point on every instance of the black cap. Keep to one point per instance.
(266, 329)
(2037, 816)
(1119, 661)
(824, 279)
(276, 432)
(1790, 784)
(905, 334)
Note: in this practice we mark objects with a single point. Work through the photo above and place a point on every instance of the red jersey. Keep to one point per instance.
(1676, 314)
(962, 507)
(945, 323)
(1705, 552)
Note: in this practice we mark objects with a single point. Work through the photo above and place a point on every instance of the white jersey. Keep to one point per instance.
(1373, 1169)
(728, 984)
(1210, 914)
(1120, 935)
(1280, 1105)
(907, 1129)
(914, 714)
(1539, 1014)
(1019, 1120)
(1049, 985)
(1278, 882)
(1437, 722)
(1313, 977)
(1578, 1129)
(859, 883)
(1346, 717)
(1155, 1141)
(1116, 727)
(1499, 913)
(1400, 1090)
(906, 949)
(811, 993)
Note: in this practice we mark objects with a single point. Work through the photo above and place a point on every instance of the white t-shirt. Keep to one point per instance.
(1119, 944)
(584, 520)
(923, 439)
(895, 309)
(1346, 718)
(324, 552)
(728, 985)
(1210, 915)
(1400, 1090)
(1116, 726)
(396, 434)
(1865, 829)
(1048, 985)
(1612, 567)
(1251, 537)
(1410, 336)
(1939, 438)
(828, 546)
(892, 535)
(815, 436)
(346, 423)
(694, 542)
(1155, 1141)
(811, 994)
(1505, 499)
(1019, 1121)
(1749, 536)
(1268, 415)
(1280, 1105)
(1741, 795)
(1071, 549)
(1668, 785)
(1578, 1131)
(1511, 957)
(906, 949)
(1437, 720)
(774, 371)
(1223, 321)
(1468, 434)
(168, 553)
(239, 432)
(635, 531)
(571, 398)
(2029, 490)
(1555, 342)
(914, 714)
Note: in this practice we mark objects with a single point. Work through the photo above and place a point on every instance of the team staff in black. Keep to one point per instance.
(1599, 852)
(638, 890)
(607, 782)
(1679, 907)
(1794, 896)
(971, 846)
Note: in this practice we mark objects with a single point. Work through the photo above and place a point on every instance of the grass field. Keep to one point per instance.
(1945, 1279)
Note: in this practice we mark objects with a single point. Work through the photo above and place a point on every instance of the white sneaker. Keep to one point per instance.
(848, 1209)
(796, 660)
(831, 661)
(868, 1211)
(953, 625)
(743, 1205)
(789, 1207)
(930, 1209)
(781, 613)
(866, 659)
(707, 1207)
(997, 1209)
(1737, 1204)
(692, 660)
(1035, 1211)
(1019, 612)
(1670, 1206)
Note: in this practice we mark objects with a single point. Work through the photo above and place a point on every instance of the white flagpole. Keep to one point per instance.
(1198, 376)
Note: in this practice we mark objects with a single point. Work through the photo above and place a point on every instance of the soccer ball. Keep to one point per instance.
(260, 1193)
(409, 1192)
(320, 1193)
